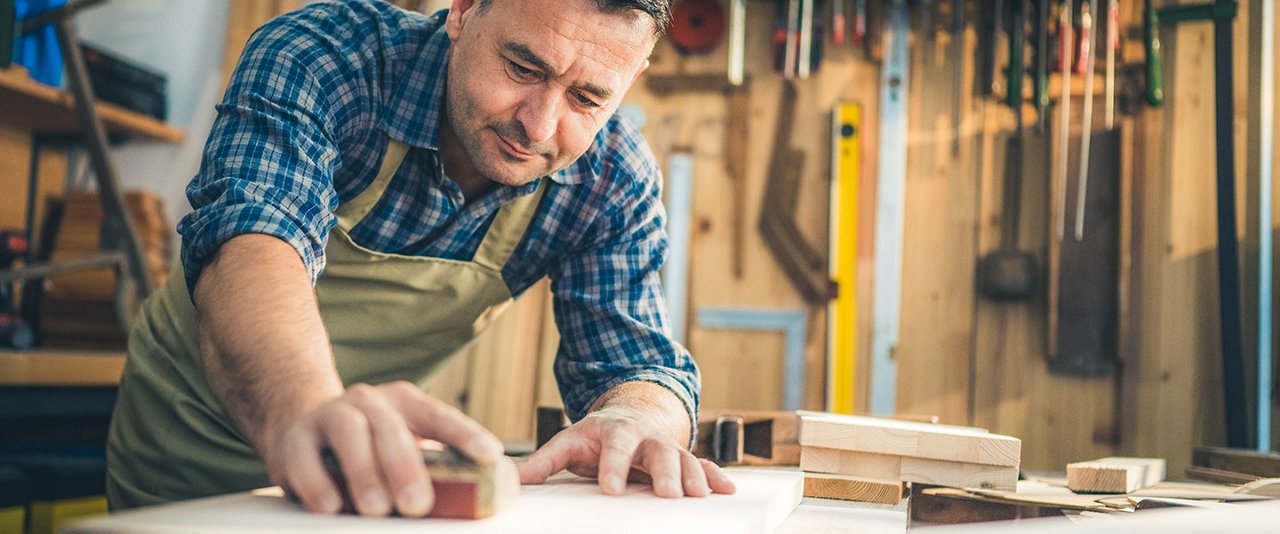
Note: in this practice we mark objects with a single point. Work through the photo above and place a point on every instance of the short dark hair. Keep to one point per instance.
(658, 10)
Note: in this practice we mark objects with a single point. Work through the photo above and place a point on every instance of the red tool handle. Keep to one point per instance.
(837, 22)
(1086, 35)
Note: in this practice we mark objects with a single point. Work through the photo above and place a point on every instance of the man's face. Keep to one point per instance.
(531, 82)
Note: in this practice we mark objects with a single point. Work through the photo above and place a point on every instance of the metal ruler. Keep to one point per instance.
(842, 313)
(675, 273)
(792, 325)
(1265, 176)
(890, 203)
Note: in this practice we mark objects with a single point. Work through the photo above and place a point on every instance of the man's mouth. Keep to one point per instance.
(512, 149)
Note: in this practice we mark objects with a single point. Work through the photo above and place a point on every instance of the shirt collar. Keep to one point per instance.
(414, 113)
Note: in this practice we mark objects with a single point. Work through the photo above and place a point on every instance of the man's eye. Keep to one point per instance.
(522, 73)
(585, 101)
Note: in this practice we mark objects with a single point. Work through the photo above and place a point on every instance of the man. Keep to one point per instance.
(419, 171)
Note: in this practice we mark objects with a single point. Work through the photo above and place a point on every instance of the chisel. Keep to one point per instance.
(1086, 133)
(1064, 118)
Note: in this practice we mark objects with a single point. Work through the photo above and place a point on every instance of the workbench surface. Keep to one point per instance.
(766, 501)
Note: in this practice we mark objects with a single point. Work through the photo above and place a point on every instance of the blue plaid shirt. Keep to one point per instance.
(303, 127)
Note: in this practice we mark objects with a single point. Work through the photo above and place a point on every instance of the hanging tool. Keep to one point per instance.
(1040, 78)
(859, 22)
(957, 79)
(1084, 53)
(842, 314)
(1222, 13)
(1064, 116)
(737, 40)
(1009, 274)
(804, 61)
(890, 203)
(1151, 39)
(1266, 119)
(803, 263)
(1113, 43)
(1086, 133)
(697, 25)
(985, 81)
(837, 22)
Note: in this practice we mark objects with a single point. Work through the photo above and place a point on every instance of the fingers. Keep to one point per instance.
(554, 457)
(346, 429)
(695, 479)
(617, 452)
(371, 431)
(398, 457)
(716, 478)
(305, 476)
(663, 464)
(431, 418)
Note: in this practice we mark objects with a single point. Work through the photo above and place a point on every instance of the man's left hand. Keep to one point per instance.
(617, 444)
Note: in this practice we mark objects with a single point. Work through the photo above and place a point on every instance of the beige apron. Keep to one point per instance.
(389, 317)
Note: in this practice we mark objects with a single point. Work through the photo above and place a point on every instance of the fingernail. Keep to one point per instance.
(414, 497)
(487, 448)
(615, 484)
(330, 504)
(670, 488)
(375, 503)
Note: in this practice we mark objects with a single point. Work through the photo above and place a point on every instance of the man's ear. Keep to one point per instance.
(459, 13)
(643, 67)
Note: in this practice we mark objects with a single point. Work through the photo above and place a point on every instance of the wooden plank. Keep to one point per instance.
(60, 368)
(908, 469)
(1209, 474)
(921, 440)
(1264, 465)
(847, 488)
(1114, 474)
(564, 504)
(41, 108)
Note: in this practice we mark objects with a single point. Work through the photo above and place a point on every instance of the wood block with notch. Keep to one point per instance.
(902, 438)
(1114, 475)
(463, 488)
(768, 437)
(847, 488)
(908, 469)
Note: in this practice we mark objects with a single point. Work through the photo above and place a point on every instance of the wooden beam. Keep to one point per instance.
(918, 440)
(908, 469)
(1114, 475)
(847, 488)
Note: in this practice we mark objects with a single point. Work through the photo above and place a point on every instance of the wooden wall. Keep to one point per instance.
(966, 359)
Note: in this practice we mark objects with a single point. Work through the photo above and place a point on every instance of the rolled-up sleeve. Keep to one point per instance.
(611, 311)
(269, 162)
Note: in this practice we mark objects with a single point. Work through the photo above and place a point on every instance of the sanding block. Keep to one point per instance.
(464, 489)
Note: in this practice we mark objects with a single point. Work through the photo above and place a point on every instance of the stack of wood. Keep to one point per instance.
(78, 310)
(871, 459)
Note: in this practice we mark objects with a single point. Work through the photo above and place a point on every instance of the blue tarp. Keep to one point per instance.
(38, 50)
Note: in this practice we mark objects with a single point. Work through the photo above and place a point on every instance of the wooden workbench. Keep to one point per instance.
(766, 501)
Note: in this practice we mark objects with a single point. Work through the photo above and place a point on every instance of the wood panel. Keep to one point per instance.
(908, 469)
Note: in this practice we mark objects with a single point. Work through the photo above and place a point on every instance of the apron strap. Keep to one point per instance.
(352, 211)
(508, 228)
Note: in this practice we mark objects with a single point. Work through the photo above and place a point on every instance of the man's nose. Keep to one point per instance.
(538, 116)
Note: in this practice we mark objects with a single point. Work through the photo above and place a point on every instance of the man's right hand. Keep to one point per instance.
(373, 432)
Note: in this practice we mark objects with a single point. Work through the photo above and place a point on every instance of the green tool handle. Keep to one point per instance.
(1151, 36)
(1017, 42)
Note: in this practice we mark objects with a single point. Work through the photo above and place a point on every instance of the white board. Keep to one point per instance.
(565, 504)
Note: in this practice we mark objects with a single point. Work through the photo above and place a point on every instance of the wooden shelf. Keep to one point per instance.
(41, 108)
(45, 368)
